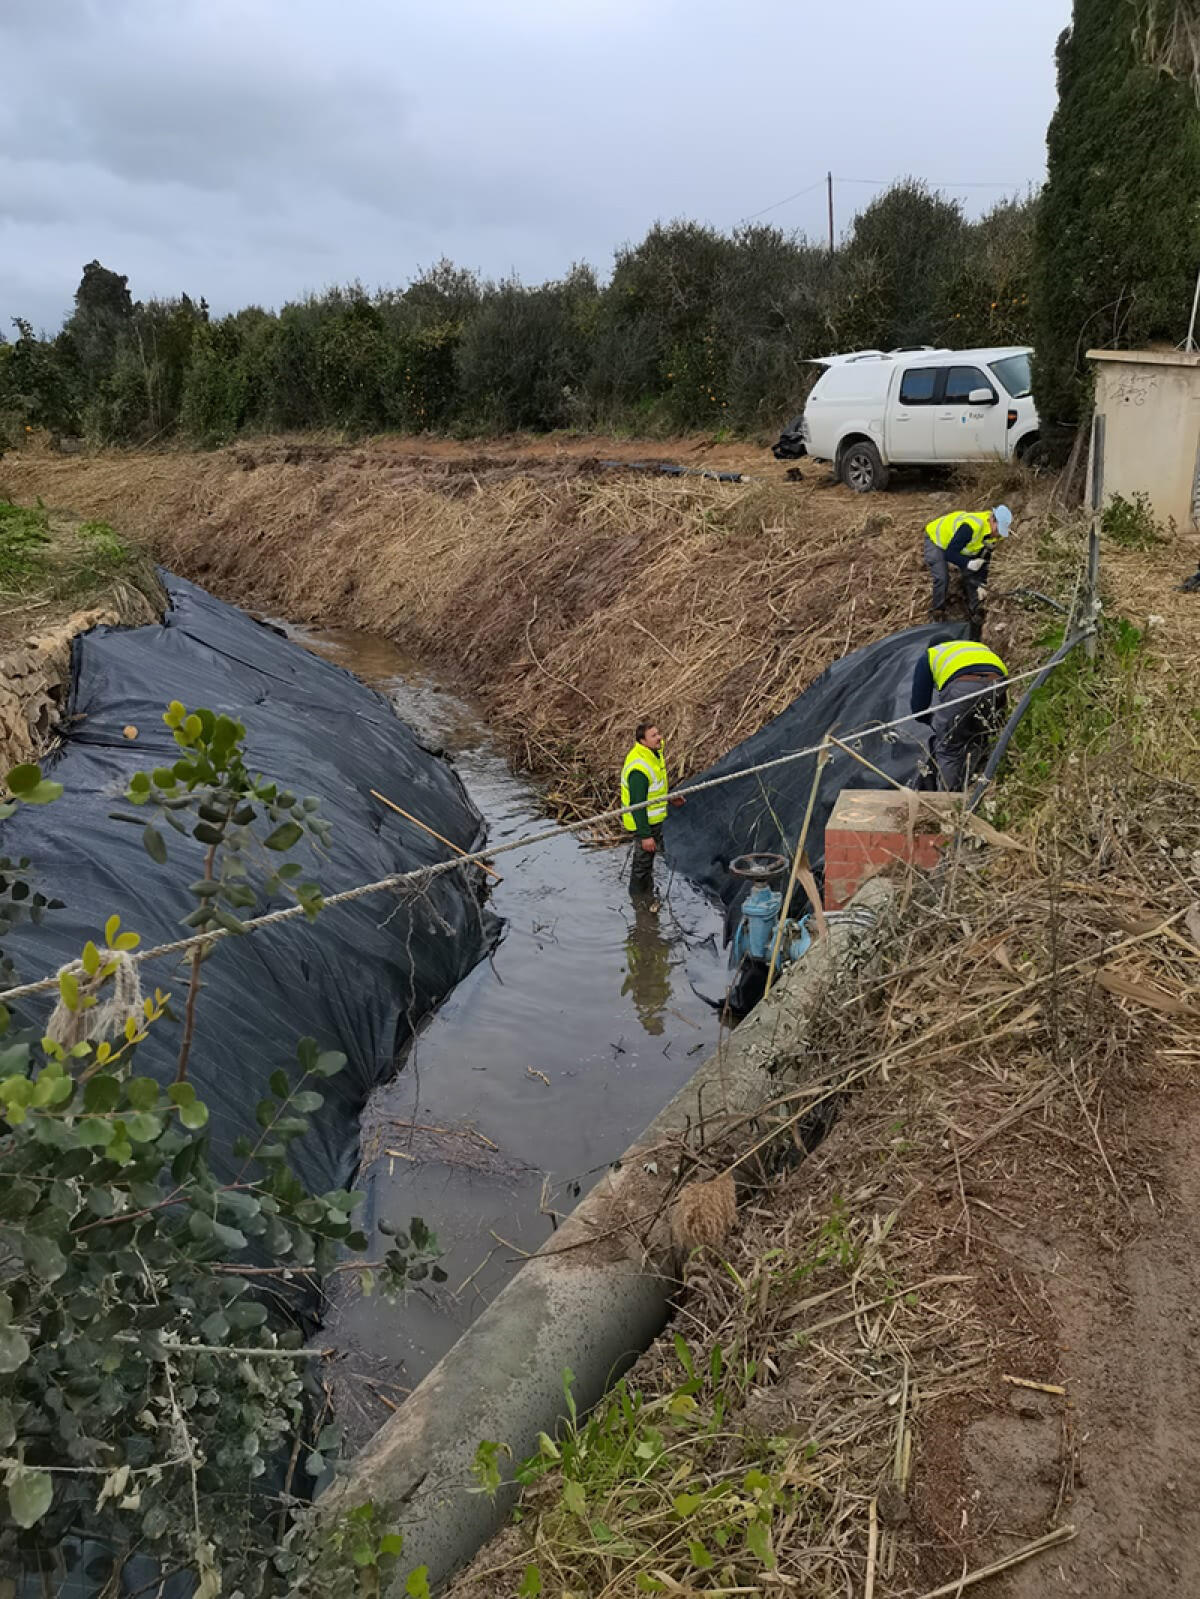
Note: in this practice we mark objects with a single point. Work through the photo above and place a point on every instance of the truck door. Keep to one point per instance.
(966, 431)
(910, 420)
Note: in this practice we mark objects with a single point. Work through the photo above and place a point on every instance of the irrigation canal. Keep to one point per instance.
(538, 1071)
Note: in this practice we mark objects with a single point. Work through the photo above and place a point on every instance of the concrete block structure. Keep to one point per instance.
(1146, 437)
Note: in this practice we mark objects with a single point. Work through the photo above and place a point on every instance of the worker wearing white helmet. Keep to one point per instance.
(964, 539)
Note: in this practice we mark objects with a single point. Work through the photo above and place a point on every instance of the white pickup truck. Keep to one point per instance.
(875, 409)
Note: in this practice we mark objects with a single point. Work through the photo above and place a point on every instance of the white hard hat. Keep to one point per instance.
(1003, 520)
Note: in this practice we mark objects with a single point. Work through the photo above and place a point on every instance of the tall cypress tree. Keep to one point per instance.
(1117, 244)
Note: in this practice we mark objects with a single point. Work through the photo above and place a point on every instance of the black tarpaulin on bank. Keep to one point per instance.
(361, 976)
(765, 811)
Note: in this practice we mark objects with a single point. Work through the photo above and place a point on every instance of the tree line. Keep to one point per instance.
(695, 328)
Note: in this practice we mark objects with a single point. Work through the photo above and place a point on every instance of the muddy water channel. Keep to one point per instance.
(538, 1070)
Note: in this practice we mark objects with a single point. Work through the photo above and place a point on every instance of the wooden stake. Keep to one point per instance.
(425, 827)
(799, 863)
(872, 1548)
(809, 884)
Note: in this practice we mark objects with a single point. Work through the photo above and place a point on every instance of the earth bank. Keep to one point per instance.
(966, 1318)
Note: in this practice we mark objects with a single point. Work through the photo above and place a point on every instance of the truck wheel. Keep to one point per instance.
(863, 469)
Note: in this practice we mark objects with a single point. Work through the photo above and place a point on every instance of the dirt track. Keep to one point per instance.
(1130, 1342)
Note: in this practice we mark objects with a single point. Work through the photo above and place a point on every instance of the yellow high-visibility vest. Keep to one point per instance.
(946, 659)
(945, 527)
(653, 765)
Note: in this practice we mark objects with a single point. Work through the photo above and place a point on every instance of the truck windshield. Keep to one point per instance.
(1014, 374)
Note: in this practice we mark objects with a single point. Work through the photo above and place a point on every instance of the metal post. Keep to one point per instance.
(1191, 338)
(1092, 584)
(829, 182)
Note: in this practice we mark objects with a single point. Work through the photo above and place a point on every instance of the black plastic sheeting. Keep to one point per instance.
(766, 811)
(357, 979)
(672, 469)
(790, 445)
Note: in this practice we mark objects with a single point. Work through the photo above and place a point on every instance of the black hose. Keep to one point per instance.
(1010, 727)
(1032, 594)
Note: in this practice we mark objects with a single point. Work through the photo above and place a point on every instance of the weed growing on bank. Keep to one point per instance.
(1132, 523)
(24, 534)
(50, 562)
(642, 1490)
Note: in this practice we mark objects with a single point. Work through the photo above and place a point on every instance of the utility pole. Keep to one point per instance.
(829, 184)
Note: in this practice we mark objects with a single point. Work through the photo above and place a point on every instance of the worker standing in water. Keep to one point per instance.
(644, 784)
(964, 539)
(961, 733)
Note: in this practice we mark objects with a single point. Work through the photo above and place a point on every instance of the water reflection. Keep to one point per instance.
(647, 967)
(549, 1058)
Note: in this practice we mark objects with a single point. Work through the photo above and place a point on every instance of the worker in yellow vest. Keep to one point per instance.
(964, 539)
(644, 784)
(961, 733)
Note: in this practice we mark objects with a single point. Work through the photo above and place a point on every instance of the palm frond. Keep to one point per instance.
(1166, 35)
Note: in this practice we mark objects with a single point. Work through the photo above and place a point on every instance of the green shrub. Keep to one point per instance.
(522, 358)
(1132, 523)
(112, 1212)
(905, 244)
(148, 1381)
(39, 383)
(984, 299)
(212, 405)
(419, 383)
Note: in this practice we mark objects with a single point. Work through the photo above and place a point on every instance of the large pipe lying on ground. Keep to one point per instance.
(592, 1299)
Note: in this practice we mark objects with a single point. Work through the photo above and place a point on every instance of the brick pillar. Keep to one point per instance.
(869, 832)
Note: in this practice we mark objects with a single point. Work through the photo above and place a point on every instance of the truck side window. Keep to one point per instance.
(918, 384)
(960, 382)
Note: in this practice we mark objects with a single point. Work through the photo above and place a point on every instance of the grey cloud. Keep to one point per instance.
(250, 150)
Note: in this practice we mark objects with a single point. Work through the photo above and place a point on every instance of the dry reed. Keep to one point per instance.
(989, 1070)
(570, 599)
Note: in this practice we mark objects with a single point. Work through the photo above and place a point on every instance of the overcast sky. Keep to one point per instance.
(252, 150)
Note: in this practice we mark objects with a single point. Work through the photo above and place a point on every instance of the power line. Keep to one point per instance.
(775, 204)
(419, 879)
(883, 183)
(934, 183)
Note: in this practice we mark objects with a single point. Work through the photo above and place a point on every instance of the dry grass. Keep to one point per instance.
(878, 1296)
(572, 600)
(988, 1067)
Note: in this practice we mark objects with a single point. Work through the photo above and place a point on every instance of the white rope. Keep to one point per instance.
(99, 1019)
(421, 876)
